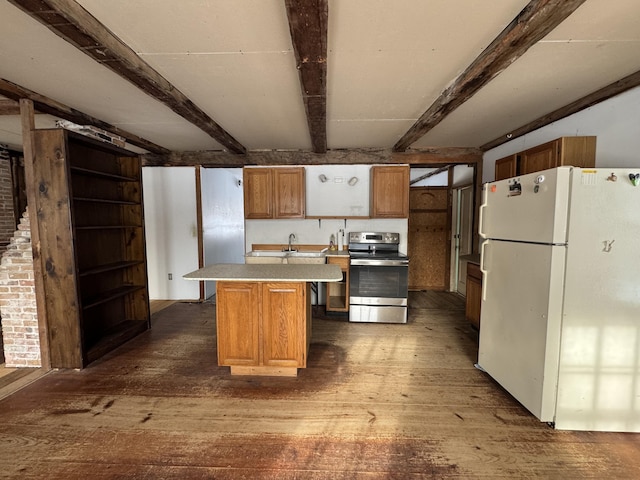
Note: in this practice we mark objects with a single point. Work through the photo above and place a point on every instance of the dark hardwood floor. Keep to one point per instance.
(376, 402)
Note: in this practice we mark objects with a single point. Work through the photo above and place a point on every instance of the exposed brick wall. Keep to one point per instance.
(18, 300)
(7, 219)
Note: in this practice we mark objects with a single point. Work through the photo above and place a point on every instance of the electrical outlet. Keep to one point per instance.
(171, 276)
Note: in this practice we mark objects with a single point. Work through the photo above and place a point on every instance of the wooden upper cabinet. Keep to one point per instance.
(390, 191)
(289, 192)
(574, 151)
(274, 193)
(258, 192)
(542, 157)
(506, 167)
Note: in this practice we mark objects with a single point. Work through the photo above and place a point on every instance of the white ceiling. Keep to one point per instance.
(387, 62)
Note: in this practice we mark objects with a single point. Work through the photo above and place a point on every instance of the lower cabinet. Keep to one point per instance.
(474, 294)
(338, 292)
(264, 326)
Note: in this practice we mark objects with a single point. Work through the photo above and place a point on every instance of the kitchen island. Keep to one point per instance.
(263, 314)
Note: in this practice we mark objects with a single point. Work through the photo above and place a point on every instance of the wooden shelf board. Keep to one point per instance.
(97, 173)
(106, 227)
(115, 336)
(105, 200)
(110, 295)
(109, 267)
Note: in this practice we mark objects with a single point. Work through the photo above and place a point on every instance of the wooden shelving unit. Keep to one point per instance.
(91, 225)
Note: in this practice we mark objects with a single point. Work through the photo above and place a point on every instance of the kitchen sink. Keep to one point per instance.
(286, 257)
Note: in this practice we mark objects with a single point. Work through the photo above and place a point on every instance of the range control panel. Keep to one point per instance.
(374, 237)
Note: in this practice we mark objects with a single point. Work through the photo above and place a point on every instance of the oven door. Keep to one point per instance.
(378, 284)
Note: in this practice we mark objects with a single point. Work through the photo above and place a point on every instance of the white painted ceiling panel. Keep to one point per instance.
(255, 95)
(196, 26)
(366, 133)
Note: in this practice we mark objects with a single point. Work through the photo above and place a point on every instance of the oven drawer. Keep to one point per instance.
(377, 314)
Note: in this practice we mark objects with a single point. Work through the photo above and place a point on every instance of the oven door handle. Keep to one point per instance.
(380, 263)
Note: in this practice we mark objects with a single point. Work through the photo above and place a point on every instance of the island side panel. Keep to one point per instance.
(284, 324)
(238, 323)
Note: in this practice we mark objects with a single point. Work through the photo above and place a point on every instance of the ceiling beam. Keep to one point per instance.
(9, 107)
(532, 24)
(73, 23)
(46, 105)
(308, 21)
(433, 157)
(611, 90)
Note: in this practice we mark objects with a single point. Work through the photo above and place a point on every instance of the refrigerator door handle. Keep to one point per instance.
(483, 270)
(480, 213)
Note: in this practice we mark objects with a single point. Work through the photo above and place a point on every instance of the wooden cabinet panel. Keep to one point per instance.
(274, 193)
(258, 192)
(90, 202)
(506, 167)
(263, 324)
(573, 151)
(389, 191)
(283, 325)
(338, 292)
(474, 294)
(289, 192)
(539, 158)
(238, 325)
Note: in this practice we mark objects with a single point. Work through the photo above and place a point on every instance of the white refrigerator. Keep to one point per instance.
(560, 321)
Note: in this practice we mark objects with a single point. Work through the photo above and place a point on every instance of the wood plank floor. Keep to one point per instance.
(376, 402)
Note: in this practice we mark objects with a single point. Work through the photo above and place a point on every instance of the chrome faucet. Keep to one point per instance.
(292, 237)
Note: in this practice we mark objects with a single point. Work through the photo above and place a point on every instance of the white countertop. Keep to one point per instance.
(268, 272)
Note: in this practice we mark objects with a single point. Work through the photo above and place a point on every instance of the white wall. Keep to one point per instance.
(616, 123)
(318, 232)
(171, 231)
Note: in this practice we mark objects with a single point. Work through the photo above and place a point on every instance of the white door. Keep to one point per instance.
(170, 217)
(521, 319)
(463, 238)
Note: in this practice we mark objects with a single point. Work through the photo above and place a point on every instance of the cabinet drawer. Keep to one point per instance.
(342, 261)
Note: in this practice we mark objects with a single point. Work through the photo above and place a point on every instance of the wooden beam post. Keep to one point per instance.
(308, 24)
(28, 126)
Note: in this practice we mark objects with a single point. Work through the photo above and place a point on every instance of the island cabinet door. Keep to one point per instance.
(238, 323)
(284, 325)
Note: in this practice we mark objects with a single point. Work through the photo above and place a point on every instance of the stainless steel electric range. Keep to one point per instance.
(378, 278)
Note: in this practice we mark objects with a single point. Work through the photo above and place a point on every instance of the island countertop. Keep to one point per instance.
(238, 272)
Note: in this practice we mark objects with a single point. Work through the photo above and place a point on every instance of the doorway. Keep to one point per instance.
(462, 238)
(222, 218)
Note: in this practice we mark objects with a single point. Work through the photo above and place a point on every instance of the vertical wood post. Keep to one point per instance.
(28, 125)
